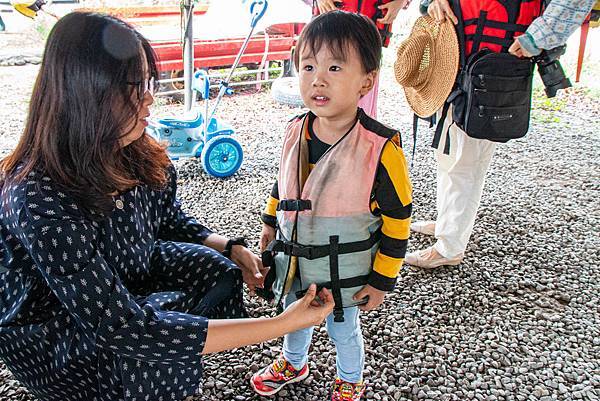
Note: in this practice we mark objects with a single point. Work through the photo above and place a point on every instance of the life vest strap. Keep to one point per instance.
(334, 273)
(294, 205)
(506, 26)
(350, 282)
(310, 252)
(439, 130)
(489, 39)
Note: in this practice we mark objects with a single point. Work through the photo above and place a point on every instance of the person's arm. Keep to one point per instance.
(392, 9)
(268, 215)
(234, 333)
(560, 19)
(65, 249)
(393, 197)
(393, 200)
(269, 218)
(176, 225)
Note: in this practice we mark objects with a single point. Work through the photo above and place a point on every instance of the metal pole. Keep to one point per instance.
(188, 53)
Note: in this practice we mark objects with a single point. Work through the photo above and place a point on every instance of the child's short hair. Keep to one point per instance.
(339, 30)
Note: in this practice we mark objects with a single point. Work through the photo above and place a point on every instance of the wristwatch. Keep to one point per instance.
(235, 241)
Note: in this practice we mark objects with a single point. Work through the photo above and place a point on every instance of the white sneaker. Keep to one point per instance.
(425, 227)
(429, 258)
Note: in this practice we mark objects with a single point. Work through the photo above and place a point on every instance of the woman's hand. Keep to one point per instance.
(393, 8)
(440, 9)
(308, 310)
(252, 268)
(266, 236)
(375, 297)
(325, 6)
(517, 50)
(232, 333)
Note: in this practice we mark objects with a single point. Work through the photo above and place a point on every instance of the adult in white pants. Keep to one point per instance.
(460, 180)
(461, 174)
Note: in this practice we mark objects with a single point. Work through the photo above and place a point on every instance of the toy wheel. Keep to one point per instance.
(222, 156)
(287, 91)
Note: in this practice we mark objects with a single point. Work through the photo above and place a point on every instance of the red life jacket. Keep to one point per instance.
(368, 8)
(493, 23)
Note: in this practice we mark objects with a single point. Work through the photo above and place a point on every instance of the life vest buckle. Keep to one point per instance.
(301, 251)
(294, 205)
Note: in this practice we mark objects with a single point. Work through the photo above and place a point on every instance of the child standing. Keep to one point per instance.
(342, 201)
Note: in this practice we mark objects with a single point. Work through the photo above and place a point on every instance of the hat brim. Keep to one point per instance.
(430, 96)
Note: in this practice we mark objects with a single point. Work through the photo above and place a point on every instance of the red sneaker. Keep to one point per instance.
(274, 377)
(346, 391)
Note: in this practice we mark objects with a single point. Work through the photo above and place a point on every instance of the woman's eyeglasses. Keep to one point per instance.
(148, 85)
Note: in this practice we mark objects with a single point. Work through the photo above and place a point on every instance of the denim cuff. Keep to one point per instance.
(526, 41)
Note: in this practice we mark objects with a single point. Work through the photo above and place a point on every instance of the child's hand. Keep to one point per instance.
(251, 266)
(266, 236)
(375, 297)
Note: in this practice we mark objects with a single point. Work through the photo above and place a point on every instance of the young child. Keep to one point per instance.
(342, 202)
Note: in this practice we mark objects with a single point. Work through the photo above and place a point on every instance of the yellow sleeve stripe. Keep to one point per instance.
(271, 207)
(396, 228)
(374, 206)
(394, 162)
(386, 265)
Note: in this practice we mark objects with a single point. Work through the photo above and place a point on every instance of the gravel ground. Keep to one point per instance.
(518, 320)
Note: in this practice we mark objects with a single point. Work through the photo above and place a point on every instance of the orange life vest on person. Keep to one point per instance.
(493, 24)
(368, 8)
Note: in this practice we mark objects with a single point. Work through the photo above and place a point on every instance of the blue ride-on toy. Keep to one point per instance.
(220, 154)
(202, 135)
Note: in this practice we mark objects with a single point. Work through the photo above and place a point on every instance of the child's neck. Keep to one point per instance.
(331, 129)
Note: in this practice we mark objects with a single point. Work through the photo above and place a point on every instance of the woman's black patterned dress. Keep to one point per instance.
(110, 310)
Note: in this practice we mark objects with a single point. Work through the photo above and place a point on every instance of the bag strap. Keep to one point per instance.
(415, 129)
(438, 131)
(432, 122)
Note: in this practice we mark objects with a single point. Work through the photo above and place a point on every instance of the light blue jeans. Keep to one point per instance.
(346, 335)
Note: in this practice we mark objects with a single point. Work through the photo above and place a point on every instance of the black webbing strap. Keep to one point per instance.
(498, 25)
(432, 122)
(350, 282)
(415, 129)
(334, 272)
(294, 205)
(490, 39)
(478, 32)
(439, 128)
(311, 252)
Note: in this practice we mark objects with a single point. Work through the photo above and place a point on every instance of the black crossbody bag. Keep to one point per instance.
(492, 95)
(495, 99)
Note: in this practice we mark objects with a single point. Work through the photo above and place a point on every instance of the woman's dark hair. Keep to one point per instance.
(340, 30)
(83, 101)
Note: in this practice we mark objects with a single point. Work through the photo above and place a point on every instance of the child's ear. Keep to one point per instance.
(368, 82)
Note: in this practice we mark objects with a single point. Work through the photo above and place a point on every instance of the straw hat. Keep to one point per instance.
(427, 65)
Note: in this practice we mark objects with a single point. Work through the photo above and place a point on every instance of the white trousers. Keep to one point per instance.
(460, 180)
